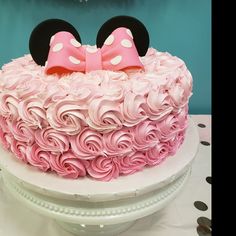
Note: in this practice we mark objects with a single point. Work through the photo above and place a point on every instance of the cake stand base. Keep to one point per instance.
(88, 207)
(97, 218)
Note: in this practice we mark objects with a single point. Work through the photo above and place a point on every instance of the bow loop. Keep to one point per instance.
(68, 55)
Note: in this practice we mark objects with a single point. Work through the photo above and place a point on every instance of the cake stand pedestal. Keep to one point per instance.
(89, 207)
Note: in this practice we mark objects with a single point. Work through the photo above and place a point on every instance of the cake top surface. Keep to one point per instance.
(102, 99)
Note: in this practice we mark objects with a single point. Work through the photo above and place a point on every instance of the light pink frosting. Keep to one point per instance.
(67, 116)
(9, 105)
(104, 115)
(133, 109)
(32, 113)
(103, 100)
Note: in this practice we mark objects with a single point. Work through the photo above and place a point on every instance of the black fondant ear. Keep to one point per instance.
(139, 32)
(41, 35)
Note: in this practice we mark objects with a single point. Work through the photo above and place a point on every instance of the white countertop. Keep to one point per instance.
(179, 218)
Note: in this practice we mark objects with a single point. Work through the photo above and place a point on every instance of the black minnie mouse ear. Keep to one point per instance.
(139, 32)
(41, 35)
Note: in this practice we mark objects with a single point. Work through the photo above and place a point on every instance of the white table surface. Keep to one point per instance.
(178, 219)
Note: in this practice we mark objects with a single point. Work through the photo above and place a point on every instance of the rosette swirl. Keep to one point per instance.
(87, 144)
(5, 139)
(32, 113)
(19, 149)
(4, 124)
(55, 93)
(12, 83)
(158, 104)
(104, 115)
(21, 131)
(177, 96)
(176, 141)
(132, 163)
(118, 142)
(9, 105)
(38, 157)
(133, 109)
(145, 135)
(114, 91)
(30, 88)
(67, 116)
(157, 154)
(52, 140)
(104, 168)
(168, 128)
(68, 165)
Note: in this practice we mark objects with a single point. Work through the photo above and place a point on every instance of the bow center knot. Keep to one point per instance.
(93, 58)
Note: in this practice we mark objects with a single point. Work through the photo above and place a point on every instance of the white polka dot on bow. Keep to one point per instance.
(126, 43)
(74, 60)
(116, 60)
(57, 47)
(110, 39)
(75, 43)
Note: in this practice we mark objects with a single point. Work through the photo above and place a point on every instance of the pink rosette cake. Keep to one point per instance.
(100, 112)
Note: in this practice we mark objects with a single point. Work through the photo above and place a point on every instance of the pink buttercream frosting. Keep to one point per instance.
(102, 123)
(132, 163)
(88, 144)
(68, 165)
(104, 169)
(52, 140)
(38, 157)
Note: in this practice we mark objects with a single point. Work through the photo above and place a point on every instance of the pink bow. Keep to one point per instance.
(66, 54)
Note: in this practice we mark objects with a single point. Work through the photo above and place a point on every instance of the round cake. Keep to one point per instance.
(99, 112)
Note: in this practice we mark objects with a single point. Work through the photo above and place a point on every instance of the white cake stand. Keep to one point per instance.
(89, 207)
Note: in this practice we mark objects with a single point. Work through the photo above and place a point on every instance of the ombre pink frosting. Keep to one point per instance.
(101, 124)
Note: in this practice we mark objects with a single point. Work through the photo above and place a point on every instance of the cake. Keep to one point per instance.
(99, 112)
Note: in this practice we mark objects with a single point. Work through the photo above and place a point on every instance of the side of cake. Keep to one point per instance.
(101, 123)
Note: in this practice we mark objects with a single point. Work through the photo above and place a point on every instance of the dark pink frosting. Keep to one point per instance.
(87, 145)
(104, 168)
(38, 157)
(21, 131)
(132, 163)
(68, 165)
(157, 154)
(118, 143)
(52, 140)
(19, 149)
(145, 135)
